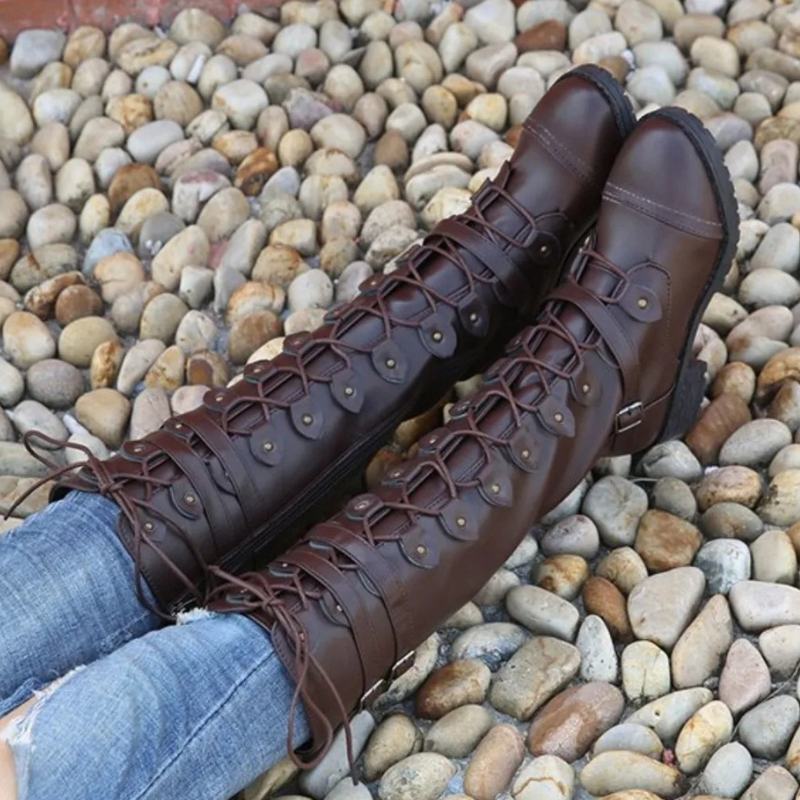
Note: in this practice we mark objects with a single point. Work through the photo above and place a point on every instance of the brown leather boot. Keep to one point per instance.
(224, 482)
(607, 369)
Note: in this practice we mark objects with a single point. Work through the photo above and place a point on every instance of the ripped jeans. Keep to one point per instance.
(126, 709)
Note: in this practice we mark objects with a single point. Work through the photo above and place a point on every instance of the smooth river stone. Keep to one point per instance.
(569, 723)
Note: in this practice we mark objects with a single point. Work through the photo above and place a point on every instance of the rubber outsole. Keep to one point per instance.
(690, 381)
(612, 91)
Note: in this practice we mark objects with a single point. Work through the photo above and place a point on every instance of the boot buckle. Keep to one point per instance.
(629, 417)
(373, 693)
(381, 685)
(403, 665)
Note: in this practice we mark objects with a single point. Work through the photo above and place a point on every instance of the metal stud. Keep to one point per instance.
(268, 446)
(544, 250)
(421, 549)
(349, 391)
(219, 398)
(642, 302)
(437, 336)
(362, 505)
(307, 419)
(559, 417)
(473, 317)
(461, 522)
(339, 608)
(585, 388)
(190, 499)
(391, 363)
(526, 454)
(178, 426)
(138, 448)
(495, 487)
(149, 527)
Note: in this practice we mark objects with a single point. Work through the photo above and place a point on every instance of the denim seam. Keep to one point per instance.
(208, 718)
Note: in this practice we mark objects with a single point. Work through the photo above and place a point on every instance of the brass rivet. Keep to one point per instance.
(544, 249)
(307, 419)
(137, 448)
(421, 549)
(219, 398)
(349, 391)
(148, 526)
(360, 506)
(585, 388)
(268, 446)
(642, 302)
(461, 522)
(559, 417)
(473, 317)
(391, 363)
(338, 608)
(396, 473)
(526, 454)
(189, 498)
(437, 336)
(284, 565)
(495, 487)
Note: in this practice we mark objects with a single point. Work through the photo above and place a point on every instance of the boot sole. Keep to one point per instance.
(613, 92)
(690, 383)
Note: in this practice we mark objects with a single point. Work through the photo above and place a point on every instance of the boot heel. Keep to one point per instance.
(690, 389)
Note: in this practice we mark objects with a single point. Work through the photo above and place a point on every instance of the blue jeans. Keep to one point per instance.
(126, 709)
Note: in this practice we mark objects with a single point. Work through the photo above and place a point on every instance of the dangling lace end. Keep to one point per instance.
(56, 470)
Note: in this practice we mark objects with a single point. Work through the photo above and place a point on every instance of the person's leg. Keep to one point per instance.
(196, 710)
(67, 595)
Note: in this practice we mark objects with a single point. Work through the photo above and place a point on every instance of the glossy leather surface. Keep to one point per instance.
(227, 480)
(594, 376)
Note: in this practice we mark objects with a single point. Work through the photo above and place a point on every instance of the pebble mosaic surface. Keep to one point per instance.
(174, 201)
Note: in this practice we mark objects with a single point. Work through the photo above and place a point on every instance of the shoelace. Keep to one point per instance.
(281, 596)
(265, 377)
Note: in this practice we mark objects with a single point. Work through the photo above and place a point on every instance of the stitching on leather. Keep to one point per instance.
(556, 150)
(662, 213)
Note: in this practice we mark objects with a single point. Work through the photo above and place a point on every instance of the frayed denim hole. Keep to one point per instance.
(194, 615)
(19, 734)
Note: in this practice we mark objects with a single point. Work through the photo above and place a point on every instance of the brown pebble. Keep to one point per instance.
(617, 66)
(3, 50)
(665, 541)
(248, 333)
(455, 684)
(41, 299)
(735, 378)
(569, 724)
(392, 150)
(548, 35)
(106, 361)
(723, 415)
(131, 111)
(9, 253)
(494, 763)
(255, 171)
(562, 574)
(128, 180)
(207, 369)
(76, 302)
(601, 597)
